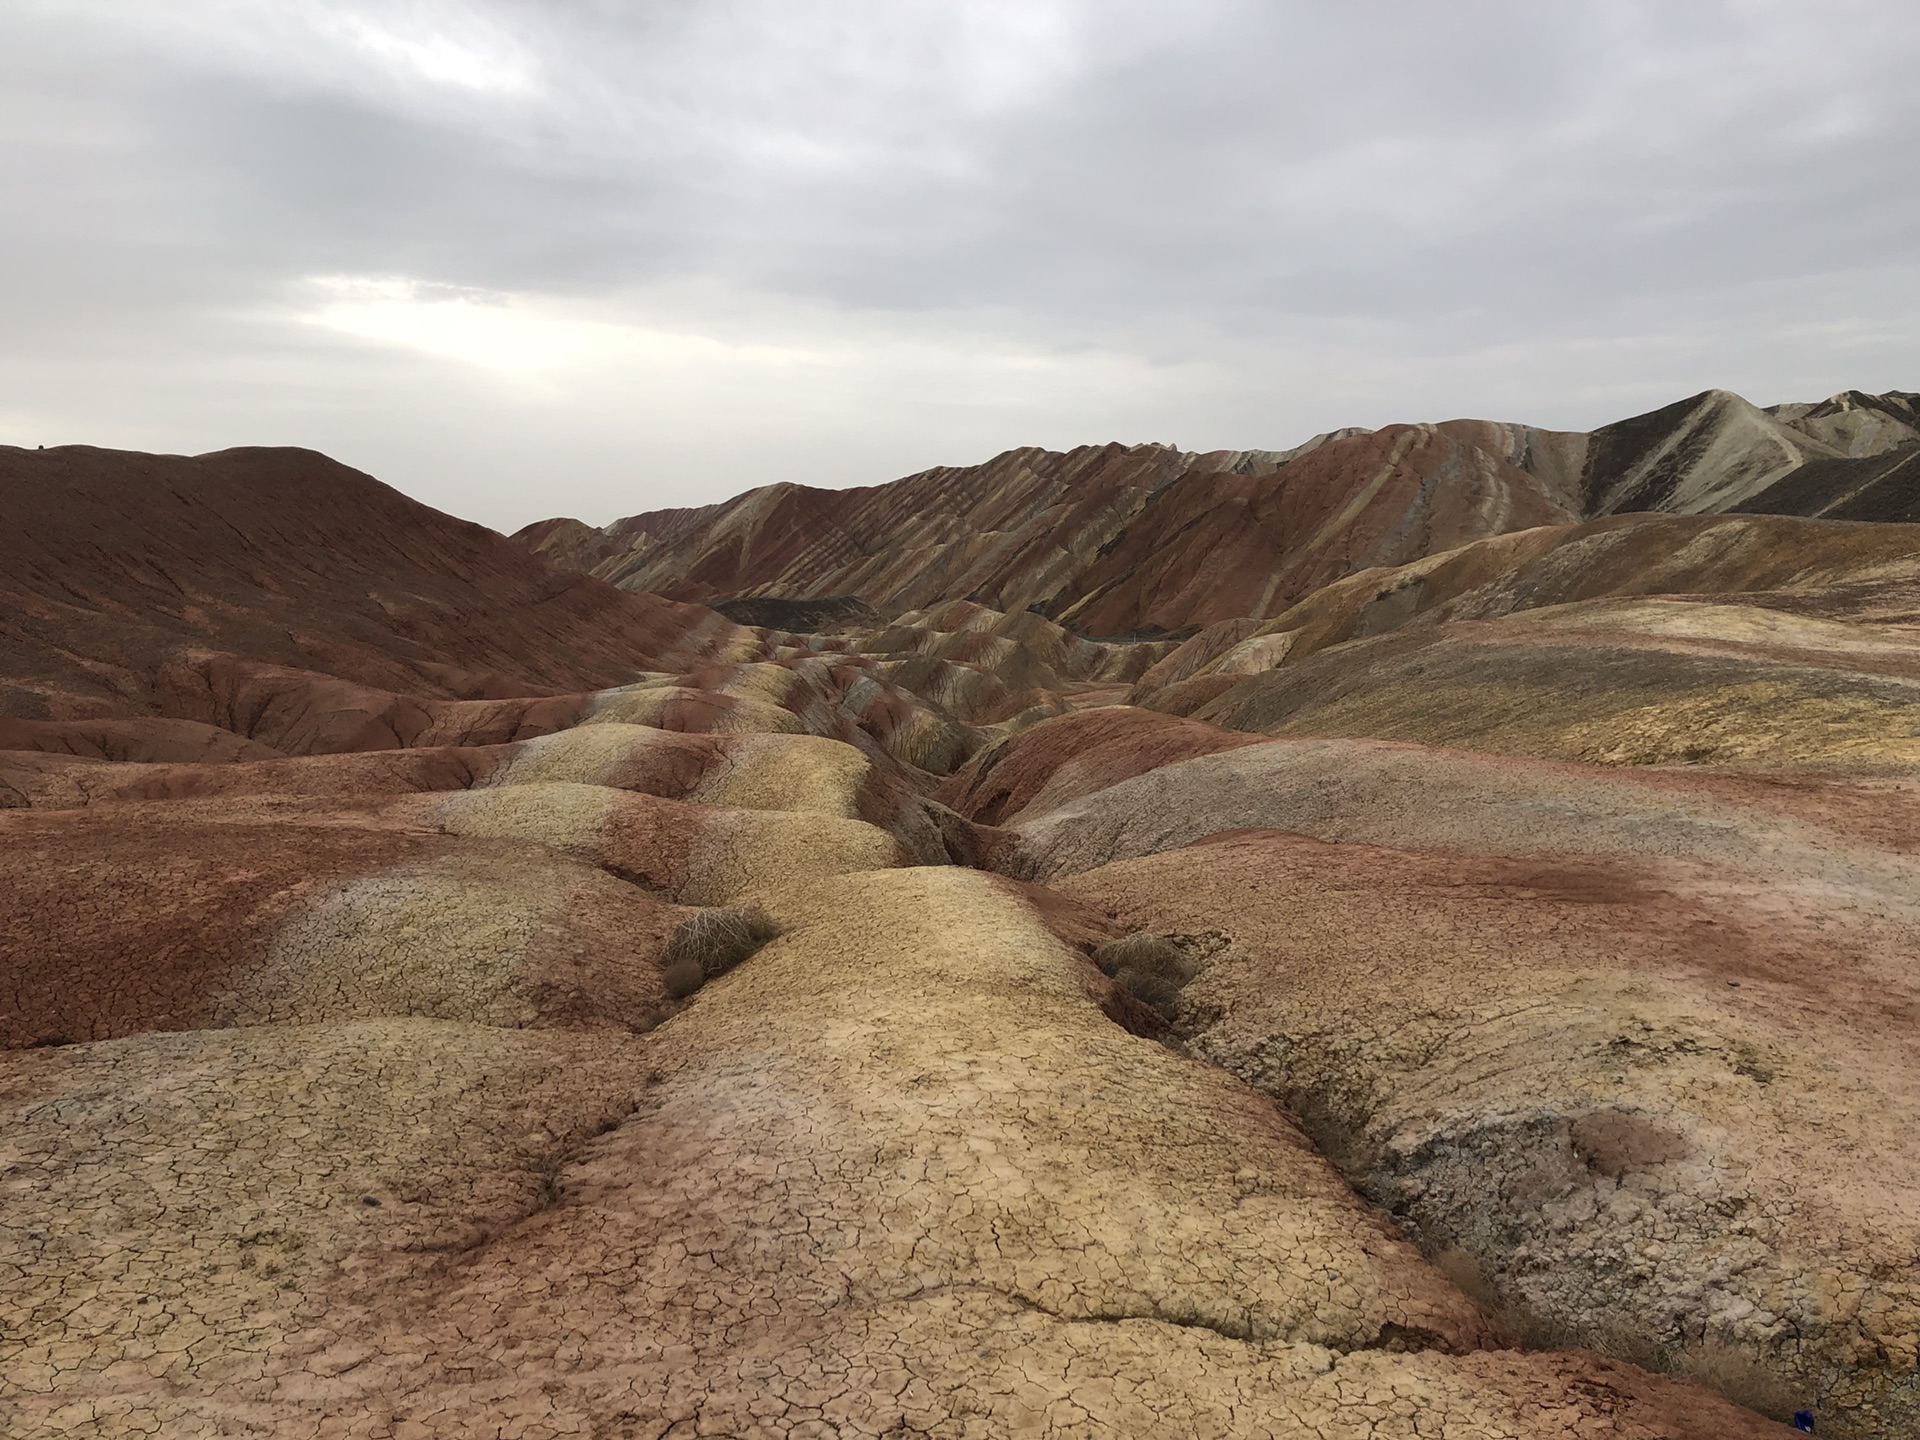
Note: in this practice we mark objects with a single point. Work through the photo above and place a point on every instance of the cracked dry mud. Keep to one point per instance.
(377, 1130)
(897, 1174)
(1639, 1103)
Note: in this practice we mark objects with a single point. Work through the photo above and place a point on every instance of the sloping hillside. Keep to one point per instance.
(1641, 639)
(1211, 546)
(250, 603)
(1152, 541)
(1007, 534)
(115, 565)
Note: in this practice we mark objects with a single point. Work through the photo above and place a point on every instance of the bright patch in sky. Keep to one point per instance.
(441, 58)
(490, 331)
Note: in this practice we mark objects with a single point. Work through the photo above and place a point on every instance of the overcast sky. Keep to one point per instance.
(590, 257)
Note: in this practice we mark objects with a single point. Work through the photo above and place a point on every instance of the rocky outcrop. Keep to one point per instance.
(783, 1212)
(1006, 534)
(1704, 454)
(1214, 547)
(1883, 487)
(1077, 755)
(570, 545)
(1652, 682)
(1715, 453)
(1857, 424)
(1566, 1028)
(1104, 539)
(258, 602)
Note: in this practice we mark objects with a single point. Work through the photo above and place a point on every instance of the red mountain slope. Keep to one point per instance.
(1112, 539)
(1212, 546)
(1150, 540)
(116, 567)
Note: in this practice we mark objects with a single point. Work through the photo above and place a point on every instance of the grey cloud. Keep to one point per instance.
(1382, 207)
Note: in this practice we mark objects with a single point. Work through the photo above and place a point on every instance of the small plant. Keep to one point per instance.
(712, 943)
(1741, 1375)
(1151, 967)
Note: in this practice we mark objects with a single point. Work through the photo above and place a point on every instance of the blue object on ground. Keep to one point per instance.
(1803, 1420)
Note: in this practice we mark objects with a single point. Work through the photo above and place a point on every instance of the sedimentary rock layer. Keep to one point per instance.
(1153, 540)
(112, 564)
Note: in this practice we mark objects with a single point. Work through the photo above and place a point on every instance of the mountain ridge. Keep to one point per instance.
(1091, 536)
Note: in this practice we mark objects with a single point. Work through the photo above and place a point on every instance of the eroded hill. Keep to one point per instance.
(1466, 996)
(1150, 540)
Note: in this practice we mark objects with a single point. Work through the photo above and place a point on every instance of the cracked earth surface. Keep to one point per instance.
(896, 1174)
(384, 1124)
(1652, 1105)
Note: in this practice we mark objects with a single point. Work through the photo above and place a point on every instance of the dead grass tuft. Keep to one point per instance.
(1151, 967)
(712, 943)
(1141, 951)
(1741, 1376)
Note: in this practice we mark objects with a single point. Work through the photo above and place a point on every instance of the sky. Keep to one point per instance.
(589, 257)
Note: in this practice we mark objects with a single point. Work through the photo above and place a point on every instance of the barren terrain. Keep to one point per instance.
(1406, 937)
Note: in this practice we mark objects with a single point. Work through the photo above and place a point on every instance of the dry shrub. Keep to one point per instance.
(712, 943)
(1151, 987)
(1741, 1376)
(1613, 1336)
(1151, 967)
(1142, 951)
